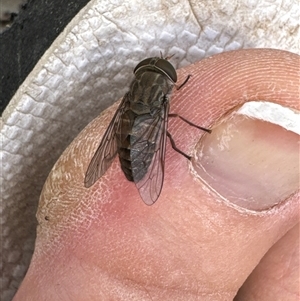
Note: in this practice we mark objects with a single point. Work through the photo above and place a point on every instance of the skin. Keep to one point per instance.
(104, 243)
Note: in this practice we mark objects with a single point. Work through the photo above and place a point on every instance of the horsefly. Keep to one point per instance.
(138, 130)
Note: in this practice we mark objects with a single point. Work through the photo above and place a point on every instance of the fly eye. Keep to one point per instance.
(167, 68)
(158, 65)
(143, 63)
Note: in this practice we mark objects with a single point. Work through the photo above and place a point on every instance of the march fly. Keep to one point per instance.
(138, 130)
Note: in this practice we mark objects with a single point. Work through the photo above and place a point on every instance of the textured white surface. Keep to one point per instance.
(274, 113)
(89, 66)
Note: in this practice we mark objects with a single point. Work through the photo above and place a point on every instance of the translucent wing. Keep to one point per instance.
(107, 149)
(150, 185)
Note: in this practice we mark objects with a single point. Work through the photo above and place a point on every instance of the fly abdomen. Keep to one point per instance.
(134, 162)
(141, 158)
(124, 157)
(136, 151)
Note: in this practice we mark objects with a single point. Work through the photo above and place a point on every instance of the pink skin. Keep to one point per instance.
(104, 243)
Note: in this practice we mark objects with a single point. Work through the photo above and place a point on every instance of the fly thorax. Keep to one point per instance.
(139, 108)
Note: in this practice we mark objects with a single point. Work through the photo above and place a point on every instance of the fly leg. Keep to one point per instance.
(190, 123)
(177, 149)
(178, 87)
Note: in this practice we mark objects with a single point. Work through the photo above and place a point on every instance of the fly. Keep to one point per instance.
(138, 130)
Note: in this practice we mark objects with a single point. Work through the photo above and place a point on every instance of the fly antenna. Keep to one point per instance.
(169, 57)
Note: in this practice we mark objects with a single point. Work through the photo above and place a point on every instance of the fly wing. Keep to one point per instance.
(107, 149)
(150, 185)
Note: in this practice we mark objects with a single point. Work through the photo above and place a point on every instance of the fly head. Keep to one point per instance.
(159, 65)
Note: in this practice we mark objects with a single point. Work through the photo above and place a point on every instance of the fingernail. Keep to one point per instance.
(251, 158)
